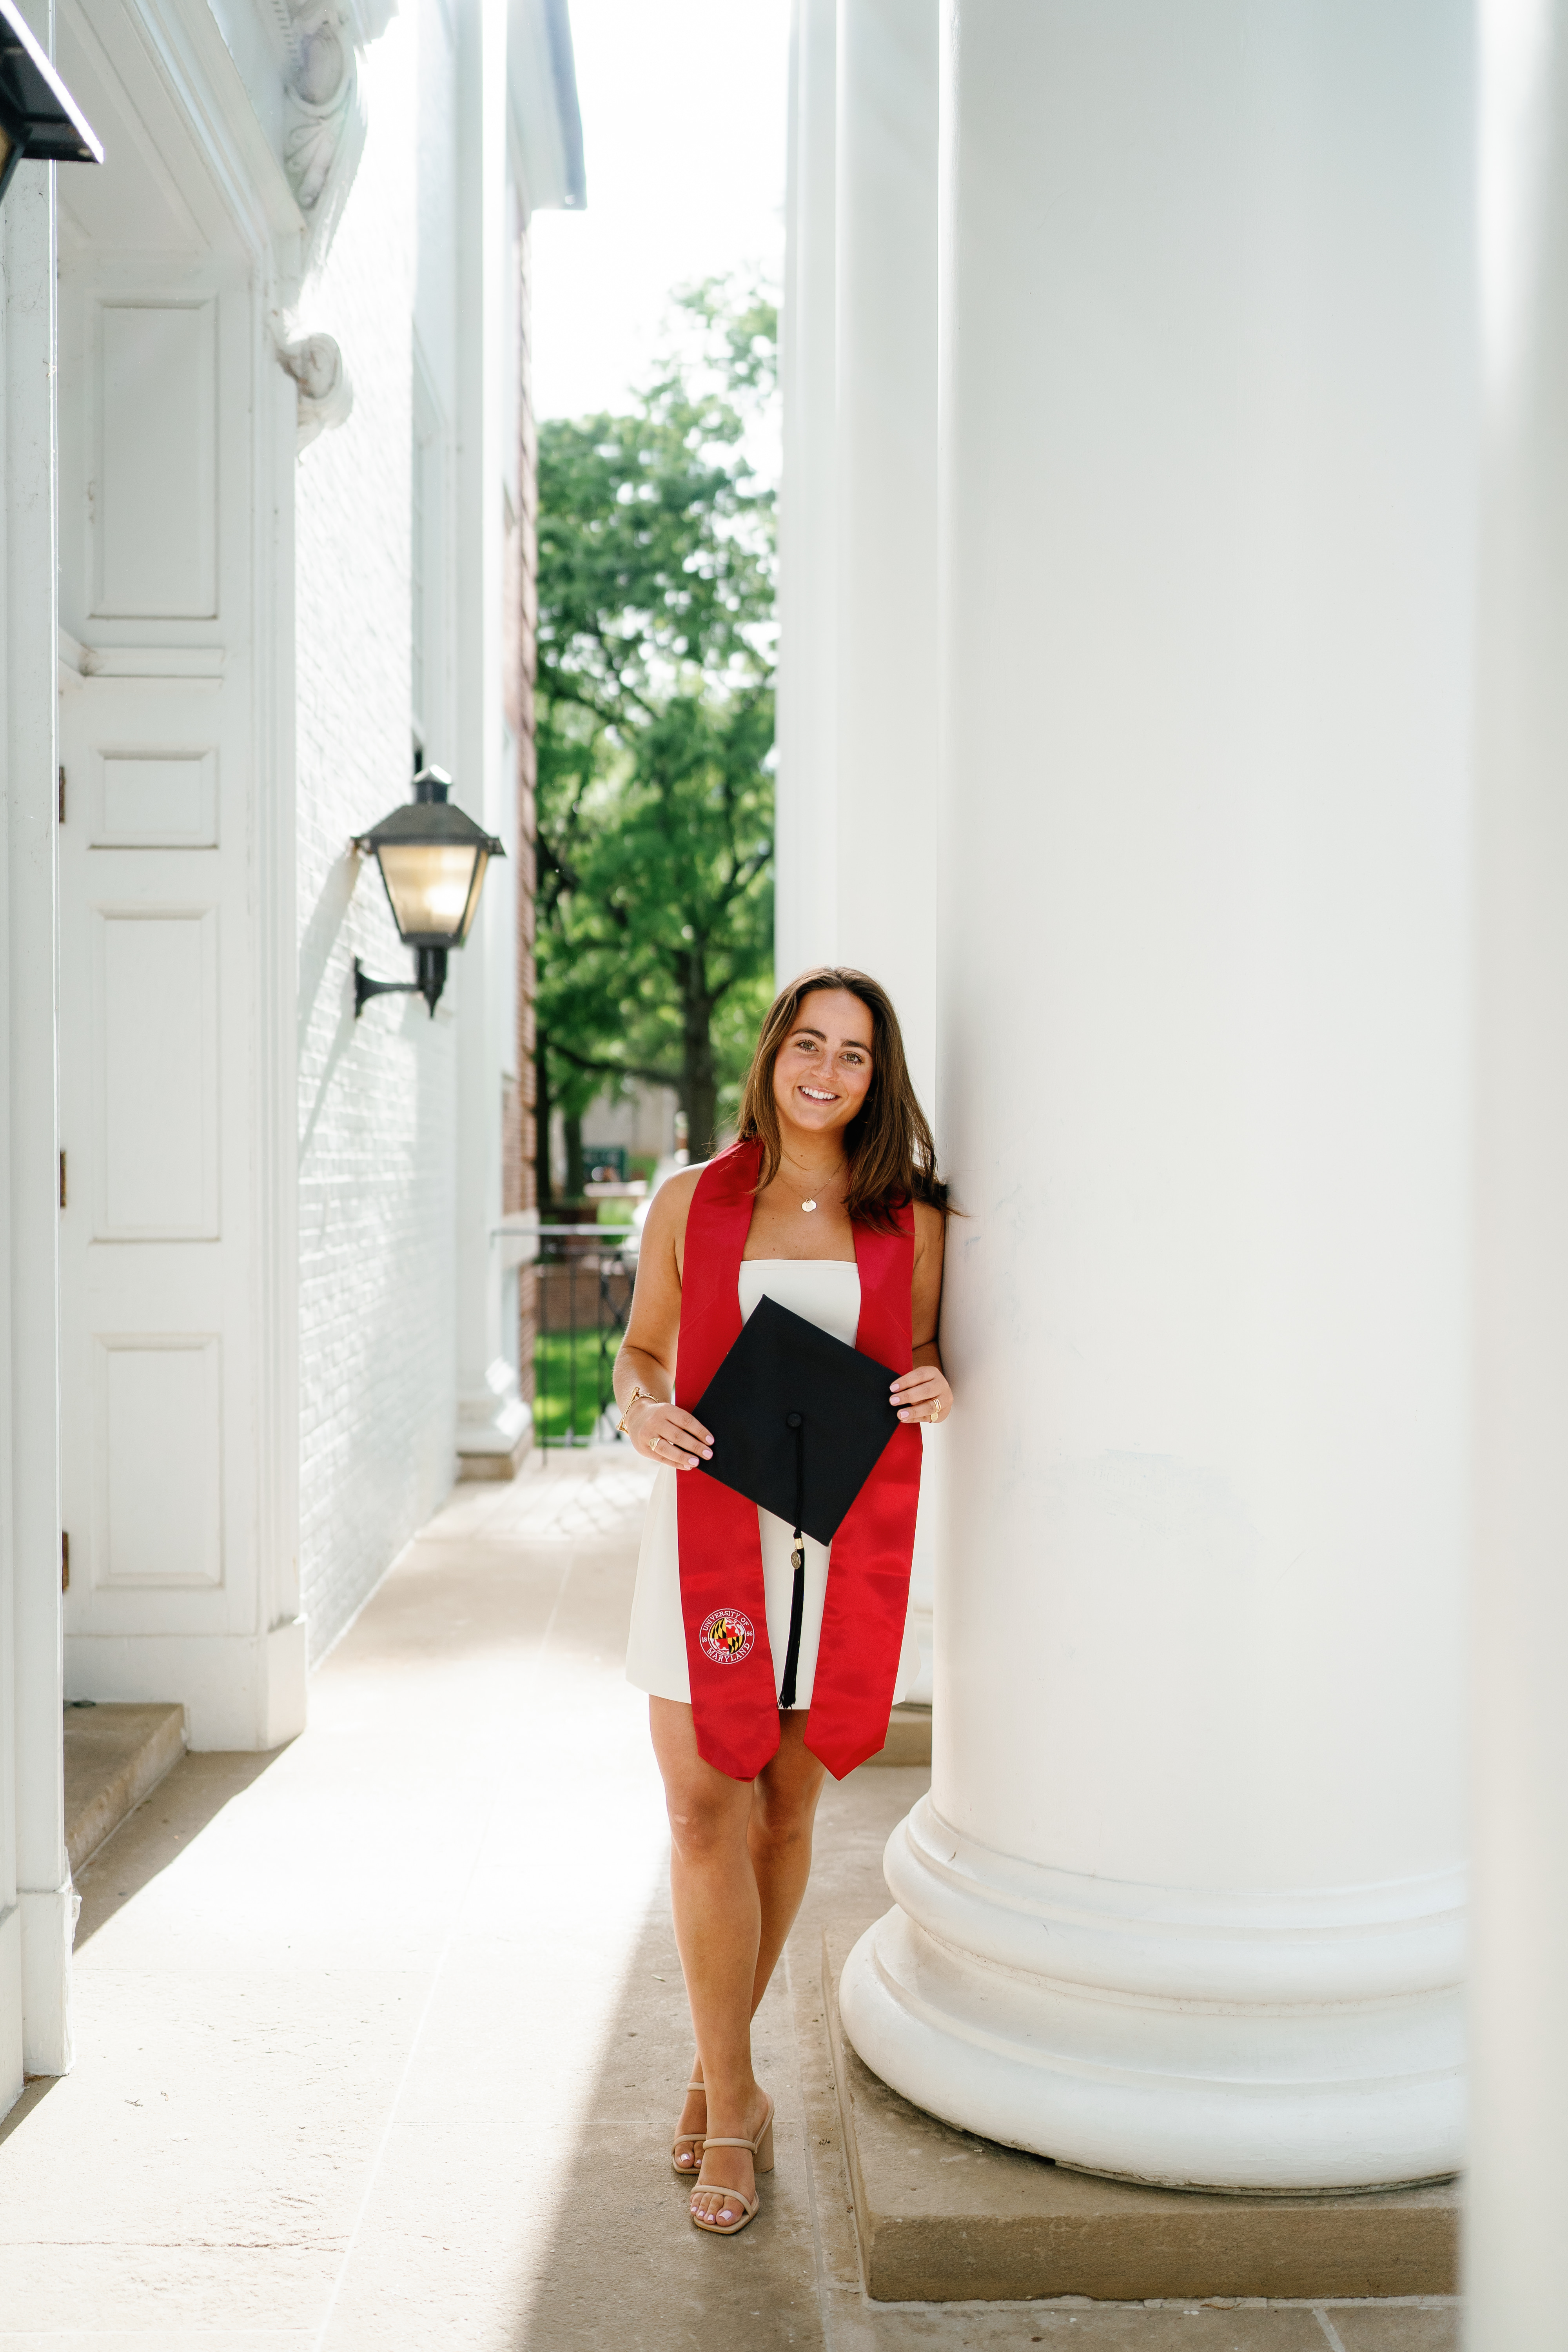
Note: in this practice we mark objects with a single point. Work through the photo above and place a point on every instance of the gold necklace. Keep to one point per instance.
(809, 1205)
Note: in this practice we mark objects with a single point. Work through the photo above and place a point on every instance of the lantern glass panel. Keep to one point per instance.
(434, 887)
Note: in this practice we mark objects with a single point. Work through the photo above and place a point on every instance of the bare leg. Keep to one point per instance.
(784, 1807)
(778, 1834)
(783, 1810)
(718, 1927)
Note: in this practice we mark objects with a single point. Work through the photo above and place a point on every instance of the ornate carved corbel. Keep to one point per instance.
(325, 125)
(325, 394)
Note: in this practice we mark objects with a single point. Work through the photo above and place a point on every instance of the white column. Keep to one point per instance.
(492, 1418)
(37, 1905)
(1182, 1904)
(1520, 1953)
(805, 917)
(857, 520)
(886, 507)
(883, 842)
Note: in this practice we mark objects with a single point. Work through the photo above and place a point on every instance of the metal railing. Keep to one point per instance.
(585, 1277)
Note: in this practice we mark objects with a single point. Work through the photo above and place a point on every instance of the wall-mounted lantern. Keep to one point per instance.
(38, 116)
(432, 859)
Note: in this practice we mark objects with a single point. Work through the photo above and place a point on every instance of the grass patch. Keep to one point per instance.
(572, 1383)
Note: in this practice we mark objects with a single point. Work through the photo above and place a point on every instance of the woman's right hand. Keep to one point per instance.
(663, 1433)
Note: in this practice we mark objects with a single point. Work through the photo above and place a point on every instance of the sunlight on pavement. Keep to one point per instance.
(332, 2055)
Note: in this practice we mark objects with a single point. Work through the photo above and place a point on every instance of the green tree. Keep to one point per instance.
(655, 728)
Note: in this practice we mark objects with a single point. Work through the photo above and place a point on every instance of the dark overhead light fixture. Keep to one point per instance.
(432, 859)
(38, 116)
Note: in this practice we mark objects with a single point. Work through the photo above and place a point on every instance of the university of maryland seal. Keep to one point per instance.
(727, 1635)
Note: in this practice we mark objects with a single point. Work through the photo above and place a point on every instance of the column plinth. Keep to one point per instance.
(1304, 2040)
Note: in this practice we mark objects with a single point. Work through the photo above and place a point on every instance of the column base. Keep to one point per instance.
(495, 1427)
(13, 2076)
(497, 1461)
(942, 2217)
(48, 1917)
(1183, 2038)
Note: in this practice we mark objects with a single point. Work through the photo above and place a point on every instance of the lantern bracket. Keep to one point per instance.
(432, 980)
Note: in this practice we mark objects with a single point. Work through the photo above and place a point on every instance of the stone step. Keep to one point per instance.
(944, 2216)
(114, 1754)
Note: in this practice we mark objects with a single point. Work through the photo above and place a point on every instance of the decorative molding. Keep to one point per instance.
(227, 118)
(326, 395)
(325, 125)
(324, 117)
(78, 661)
(1195, 2037)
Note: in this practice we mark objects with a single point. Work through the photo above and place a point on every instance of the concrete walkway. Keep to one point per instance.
(380, 2039)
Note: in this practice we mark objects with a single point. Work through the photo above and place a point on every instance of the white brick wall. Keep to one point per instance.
(376, 1097)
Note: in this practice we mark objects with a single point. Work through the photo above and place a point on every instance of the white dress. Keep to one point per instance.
(826, 1292)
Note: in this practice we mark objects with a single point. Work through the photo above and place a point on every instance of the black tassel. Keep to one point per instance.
(797, 1560)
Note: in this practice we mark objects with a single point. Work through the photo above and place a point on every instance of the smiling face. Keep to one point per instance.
(823, 1073)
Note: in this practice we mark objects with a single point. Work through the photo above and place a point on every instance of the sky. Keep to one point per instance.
(683, 129)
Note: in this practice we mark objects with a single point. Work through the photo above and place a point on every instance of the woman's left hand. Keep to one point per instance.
(922, 1395)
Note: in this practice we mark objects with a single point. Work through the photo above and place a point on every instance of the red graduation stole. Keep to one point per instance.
(734, 1691)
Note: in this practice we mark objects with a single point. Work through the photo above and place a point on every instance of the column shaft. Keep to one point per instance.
(1182, 1904)
(884, 518)
(492, 1421)
(807, 920)
(1520, 1952)
(38, 1907)
(886, 509)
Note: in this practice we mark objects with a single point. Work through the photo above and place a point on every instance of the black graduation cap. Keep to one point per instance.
(798, 1420)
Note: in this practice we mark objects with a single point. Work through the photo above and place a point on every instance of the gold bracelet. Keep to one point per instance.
(639, 1395)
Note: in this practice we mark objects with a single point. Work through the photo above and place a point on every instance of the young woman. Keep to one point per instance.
(828, 1203)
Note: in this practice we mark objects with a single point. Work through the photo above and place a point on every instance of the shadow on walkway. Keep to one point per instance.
(625, 2270)
(36, 2089)
(160, 1831)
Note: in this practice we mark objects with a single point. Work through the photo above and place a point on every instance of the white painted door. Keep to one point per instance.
(176, 1458)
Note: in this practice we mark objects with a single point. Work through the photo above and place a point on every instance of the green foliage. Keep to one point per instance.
(573, 1382)
(656, 724)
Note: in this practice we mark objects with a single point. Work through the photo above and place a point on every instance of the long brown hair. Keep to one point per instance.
(888, 1146)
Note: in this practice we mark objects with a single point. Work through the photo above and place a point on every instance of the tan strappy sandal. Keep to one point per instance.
(689, 2139)
(761, 2151)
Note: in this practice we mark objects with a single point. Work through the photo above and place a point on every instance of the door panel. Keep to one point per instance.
(159, 1418)
(155, 1035)
(153, 506)
(167, 801)
(157, 948)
